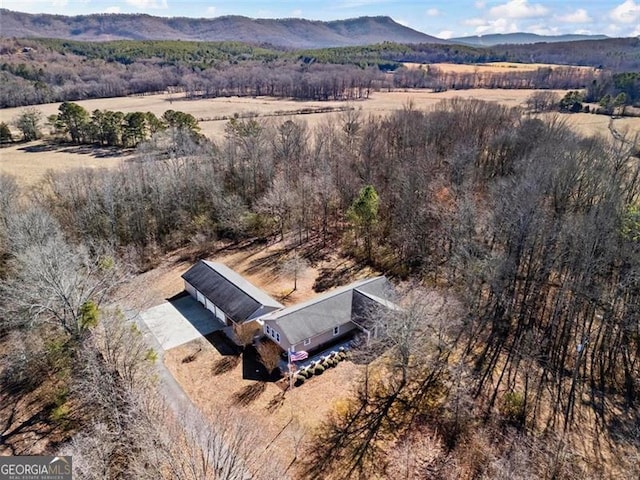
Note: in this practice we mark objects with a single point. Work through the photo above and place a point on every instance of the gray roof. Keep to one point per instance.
(323, 313)
(234, 295)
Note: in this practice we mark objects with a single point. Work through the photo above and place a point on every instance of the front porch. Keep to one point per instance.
(318, 355)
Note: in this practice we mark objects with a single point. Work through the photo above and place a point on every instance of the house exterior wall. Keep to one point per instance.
(324, 337)
(271, 333)
(315, 342)
(190, 288)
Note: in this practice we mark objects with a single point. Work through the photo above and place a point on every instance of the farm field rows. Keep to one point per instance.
(29, 162)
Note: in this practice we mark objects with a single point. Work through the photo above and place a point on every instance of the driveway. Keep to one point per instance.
(180, 320)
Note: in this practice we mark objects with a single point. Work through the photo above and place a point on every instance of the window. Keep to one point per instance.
(336, 330)
(307, 341)
(268, 330)
(277, 337)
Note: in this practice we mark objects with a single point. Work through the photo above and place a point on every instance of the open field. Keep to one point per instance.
(29, 162)
(491, 67)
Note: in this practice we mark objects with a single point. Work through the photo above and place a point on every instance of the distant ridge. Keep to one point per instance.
(288, 32)
(521, 38)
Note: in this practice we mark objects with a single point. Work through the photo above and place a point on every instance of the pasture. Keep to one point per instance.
(491, 67)
(30, 161)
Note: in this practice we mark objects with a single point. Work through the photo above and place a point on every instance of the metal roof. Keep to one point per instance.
(327, 311)
(234, 295)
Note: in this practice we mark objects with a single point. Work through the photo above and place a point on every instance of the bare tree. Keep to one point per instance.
(294, 266)
(53, 282)
(269, 354)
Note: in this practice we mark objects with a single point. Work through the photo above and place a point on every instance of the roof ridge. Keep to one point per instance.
(322, 297)
(210, 265)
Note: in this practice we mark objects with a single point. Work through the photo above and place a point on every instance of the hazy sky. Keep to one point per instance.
(440, 18)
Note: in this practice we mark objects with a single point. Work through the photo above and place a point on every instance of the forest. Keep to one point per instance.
(529, 230)
(39, 71)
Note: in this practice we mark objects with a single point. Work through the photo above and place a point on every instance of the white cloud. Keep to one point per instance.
(518, 9)
(433, 12)
(112, 10)
(211, 11)
(613, 28)
(626, 12)
(148, 4)
(297, 13)
(480, 4)
(579, 16)
(444, 34)
(500, 25)
(474, 22)
(32, 5)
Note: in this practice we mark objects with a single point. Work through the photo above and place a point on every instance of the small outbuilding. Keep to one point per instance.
(231, 298)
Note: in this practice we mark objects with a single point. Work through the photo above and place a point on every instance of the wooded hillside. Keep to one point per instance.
(42, 71)
(287, 32)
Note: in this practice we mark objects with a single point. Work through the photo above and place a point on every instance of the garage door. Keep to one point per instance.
(200, 297)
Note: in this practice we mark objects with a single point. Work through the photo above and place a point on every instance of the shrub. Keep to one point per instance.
(61, 414)
(512, 407)
(299, 380)
(309, 372)
(303, 373)
(342, 355)
(319, 369)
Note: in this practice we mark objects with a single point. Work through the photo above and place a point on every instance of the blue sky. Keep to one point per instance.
(440, 18)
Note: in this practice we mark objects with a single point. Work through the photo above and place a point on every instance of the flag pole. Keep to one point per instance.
(290, 369)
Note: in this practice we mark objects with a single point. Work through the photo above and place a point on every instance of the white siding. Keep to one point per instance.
(200, 297)
(190, 288)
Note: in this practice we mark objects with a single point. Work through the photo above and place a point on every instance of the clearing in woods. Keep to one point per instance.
(29, 162)
(215, 377)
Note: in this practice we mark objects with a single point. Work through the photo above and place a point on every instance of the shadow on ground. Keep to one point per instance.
(340, 275)
(222, 343)
(252, 369)
(95, 151)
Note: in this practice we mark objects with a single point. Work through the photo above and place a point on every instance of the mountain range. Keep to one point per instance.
(521, 38)
(288, 32)
(284, 33)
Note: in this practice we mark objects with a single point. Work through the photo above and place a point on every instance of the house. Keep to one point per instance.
(324, 319)
(230, 297)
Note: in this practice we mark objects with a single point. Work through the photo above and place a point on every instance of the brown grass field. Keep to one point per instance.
(491, 67)
(29, 164)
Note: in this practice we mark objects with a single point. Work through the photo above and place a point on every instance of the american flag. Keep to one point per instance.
(297, 356)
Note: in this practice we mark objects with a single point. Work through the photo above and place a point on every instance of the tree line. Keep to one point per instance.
(42, 71)
(74, 124)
